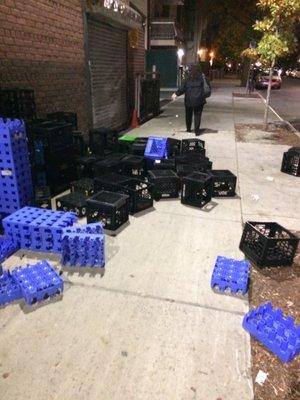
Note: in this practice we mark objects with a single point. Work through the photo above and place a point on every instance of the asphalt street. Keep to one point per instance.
(286, 101)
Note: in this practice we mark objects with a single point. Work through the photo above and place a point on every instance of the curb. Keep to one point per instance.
(289, 125)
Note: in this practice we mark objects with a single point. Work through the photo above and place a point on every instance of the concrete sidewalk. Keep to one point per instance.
(151, 328)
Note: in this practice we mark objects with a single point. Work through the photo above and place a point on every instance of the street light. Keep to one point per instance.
(180, 54)
(201, 53)
(212, 56)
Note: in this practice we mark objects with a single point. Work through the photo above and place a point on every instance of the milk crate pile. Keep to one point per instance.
(117, 178)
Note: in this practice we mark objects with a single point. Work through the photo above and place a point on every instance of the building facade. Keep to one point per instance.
(78, 56)
(167, 46)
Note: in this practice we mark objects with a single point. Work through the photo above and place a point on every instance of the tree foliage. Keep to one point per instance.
(230, 25)
(276, 28)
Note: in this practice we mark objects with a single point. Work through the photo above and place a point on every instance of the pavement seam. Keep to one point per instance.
(237, 164)
(158, 298)
(200, 217)
(241, 222)
(273, 215)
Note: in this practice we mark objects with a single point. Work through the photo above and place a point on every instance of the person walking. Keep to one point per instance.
(196, 88)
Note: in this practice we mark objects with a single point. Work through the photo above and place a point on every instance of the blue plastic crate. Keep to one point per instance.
(231, 275)
(38, 282)
(38, 229)
(16, 188)
(156, 148)
(278, 333)
(7, 248)
(96, 228)
(84, 246)
(9, 289)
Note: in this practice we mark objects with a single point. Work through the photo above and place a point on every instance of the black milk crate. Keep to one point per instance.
(57, 176)
(139, 146)
(139, 192)
(79, 143)
(85, 166)
(83, 185)
(193, 158)
(109, 208)
(65, 117)
(42, 198)
(268, 244)
(125, 144)
(61, 176)
(174, 147)
(134, 166)
(224, 183)
(112, 163)
(291, 161)
(110, 182)
(73, 202)
(192, 146)
(108, 179)
(103, 138)
(17, 103)
(165, 163)
(183, 170)
(53, 135)
(166, 184)
(41, 155)
(192, 162)
(196, 189)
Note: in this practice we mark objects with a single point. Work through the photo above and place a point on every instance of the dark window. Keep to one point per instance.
(165, 11)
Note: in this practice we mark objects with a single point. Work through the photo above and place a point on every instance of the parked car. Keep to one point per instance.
(295, 73)
(262, 80)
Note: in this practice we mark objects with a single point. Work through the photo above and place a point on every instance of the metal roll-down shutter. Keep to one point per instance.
(108, 71)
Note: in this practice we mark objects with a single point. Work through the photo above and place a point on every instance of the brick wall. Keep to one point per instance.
(136, 65)
(41, 47)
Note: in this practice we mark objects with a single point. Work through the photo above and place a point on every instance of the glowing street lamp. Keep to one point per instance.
(212, 56)
(180, 54)
(201, 53)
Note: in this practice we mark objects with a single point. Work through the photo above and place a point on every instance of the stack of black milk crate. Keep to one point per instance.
(117, 180)
(54, 143)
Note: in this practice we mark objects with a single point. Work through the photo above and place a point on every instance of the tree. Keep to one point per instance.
(230, 25)
(278, 38)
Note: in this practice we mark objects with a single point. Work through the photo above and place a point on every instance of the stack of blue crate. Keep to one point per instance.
(9, 288)
(230, 275)
(83, 246)
(7, 248)
(16, 189)
(34, 283)
(38, 229)
(38, 282)
(274, 330)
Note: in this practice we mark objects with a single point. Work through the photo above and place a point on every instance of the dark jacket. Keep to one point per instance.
(194, 92)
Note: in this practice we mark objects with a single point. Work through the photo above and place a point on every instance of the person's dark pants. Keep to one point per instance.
(197, 111)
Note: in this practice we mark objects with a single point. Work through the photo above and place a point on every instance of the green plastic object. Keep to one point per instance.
(127, 138)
